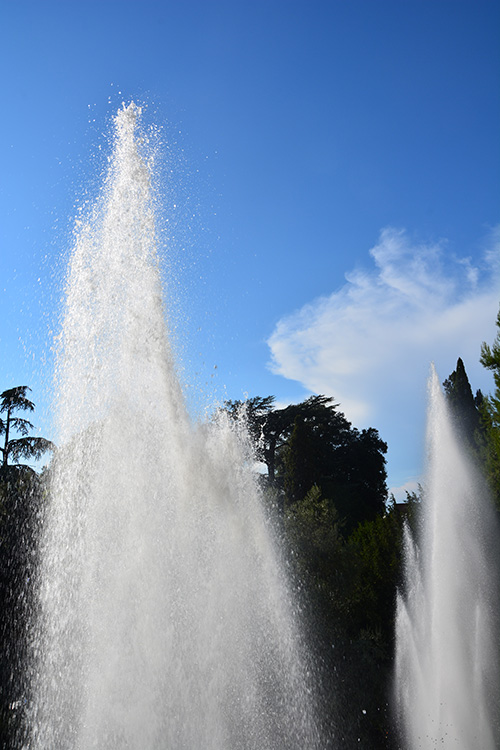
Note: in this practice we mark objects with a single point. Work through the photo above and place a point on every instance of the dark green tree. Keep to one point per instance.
(21, 497)
(312, 531)
(300, 461)
(349, 588)
(490, 358)
(28, 447)
(331, 479)
(272, 428)
(313, 443)
(465, 408)
(377, 547)
(357, 484)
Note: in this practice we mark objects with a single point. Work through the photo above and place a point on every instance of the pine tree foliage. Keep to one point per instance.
(27, 446)
(465, 408)
(490, 358)
(312, 443)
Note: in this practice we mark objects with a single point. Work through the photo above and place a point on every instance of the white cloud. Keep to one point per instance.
(370, 343)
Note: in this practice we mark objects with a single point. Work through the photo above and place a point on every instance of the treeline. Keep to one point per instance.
(344, 536)
(326, 484)
(22, 494)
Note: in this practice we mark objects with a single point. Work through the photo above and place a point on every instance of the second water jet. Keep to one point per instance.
(447, 623)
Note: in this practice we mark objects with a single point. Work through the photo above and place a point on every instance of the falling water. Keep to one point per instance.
(447, 642)
(165, 620)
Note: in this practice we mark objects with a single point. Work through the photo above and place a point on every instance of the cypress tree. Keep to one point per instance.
(464, 407)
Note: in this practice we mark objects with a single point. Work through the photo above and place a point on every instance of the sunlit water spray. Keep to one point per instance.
(447, 639)
(165, 620)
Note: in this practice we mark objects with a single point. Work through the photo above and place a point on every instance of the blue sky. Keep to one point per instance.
(331, 172)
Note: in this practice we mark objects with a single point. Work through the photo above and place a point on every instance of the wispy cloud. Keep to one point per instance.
(369, 344)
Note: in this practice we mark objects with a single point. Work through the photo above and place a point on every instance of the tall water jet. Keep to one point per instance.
(165, 620)
(446, 631)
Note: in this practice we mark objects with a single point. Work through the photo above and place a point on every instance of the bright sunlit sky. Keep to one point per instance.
(331, 172)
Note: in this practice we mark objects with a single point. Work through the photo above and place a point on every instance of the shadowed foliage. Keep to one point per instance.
(21, 499)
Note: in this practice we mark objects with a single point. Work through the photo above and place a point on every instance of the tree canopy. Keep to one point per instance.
(465, 408)
(27, 446)
(312, 443)
(490, 358)
(22, 495)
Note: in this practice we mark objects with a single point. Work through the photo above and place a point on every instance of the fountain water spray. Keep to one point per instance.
(165, 620)
(447, 639)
